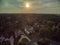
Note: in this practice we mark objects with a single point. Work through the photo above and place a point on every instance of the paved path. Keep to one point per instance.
(24, 36)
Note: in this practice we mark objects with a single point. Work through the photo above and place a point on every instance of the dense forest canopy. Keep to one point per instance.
(49, 25)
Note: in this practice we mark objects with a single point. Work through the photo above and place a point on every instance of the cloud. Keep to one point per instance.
(37, 5)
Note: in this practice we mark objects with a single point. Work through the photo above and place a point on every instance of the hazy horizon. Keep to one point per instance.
(36, 6)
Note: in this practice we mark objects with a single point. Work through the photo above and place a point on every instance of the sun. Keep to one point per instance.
(27, 5)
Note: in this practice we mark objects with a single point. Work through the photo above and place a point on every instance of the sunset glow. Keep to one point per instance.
(27, 5)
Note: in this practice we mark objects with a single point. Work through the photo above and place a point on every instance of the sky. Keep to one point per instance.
(36, 6)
